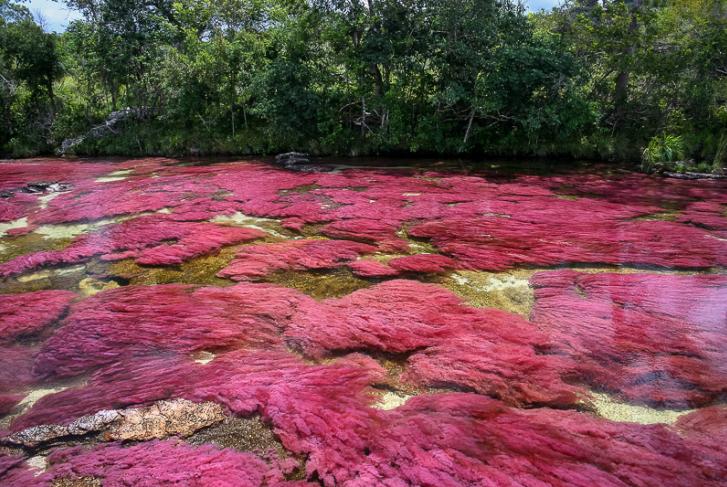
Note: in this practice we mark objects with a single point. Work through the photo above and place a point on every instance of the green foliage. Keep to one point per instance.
(586, 80)
(29, 67)
(663, 150)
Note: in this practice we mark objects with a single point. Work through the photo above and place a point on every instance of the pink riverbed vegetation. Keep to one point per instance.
(492, 398)
(477, 223)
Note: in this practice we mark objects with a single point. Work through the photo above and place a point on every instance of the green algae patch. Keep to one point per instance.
(320, 284)
(202, 270)
(509, 291)
(312, 230)
(77, 482)
(416, 246)
(221, 195)
(302, 189)
(421, 247)
(609, 408)
(567, 197)
(668, 216)
(242, 434)
(385, 258)
(12, 247)
(624, 269)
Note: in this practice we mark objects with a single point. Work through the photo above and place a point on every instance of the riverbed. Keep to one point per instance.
(168, 322)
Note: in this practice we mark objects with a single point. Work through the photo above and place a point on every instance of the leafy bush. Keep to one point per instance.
(664, 150)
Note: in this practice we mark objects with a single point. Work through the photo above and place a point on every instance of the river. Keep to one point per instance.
(167, 322)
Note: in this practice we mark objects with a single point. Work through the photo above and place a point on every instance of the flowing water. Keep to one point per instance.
(235, 323)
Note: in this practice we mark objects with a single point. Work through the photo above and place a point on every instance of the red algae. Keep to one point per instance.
(478, 223)
(707, 214)
(426, 263)
(313, 370)
(371, 268)
(141, 320)
(450, 345)
(151, 240)
(495, 243)
(29, 313)
(16, 374)
(8, 402)
(382, 233)
(15, 176)
(465, 439)
(257, 261)
(395, 316)
(164, 463)
(495, 366)
(14, 472)
(651, 338)
(708, 424)
(438, 439)
(242, 381)
(16, 206)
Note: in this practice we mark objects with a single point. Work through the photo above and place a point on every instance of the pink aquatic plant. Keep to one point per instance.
(257, 261)
(144, 320)
(314, 371)
(150, 240)
(479, 223)
(28, 314)
(165, 463)
(653, 338)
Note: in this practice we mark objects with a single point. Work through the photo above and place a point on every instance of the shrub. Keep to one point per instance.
(663, 150)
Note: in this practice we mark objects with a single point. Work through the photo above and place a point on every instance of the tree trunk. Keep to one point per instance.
(621, 91)
(469, 129)
(378, 80)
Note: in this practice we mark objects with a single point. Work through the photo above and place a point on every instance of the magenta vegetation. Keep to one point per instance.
(487, 397)
(152, 240)
(28, 314)
(258, 261)
(652, 338)
(479, 224)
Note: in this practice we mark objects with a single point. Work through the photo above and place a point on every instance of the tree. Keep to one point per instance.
(29, 66)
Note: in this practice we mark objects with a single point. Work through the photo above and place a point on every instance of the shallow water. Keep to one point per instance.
(430, 324)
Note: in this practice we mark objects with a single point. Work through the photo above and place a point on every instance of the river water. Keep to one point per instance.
(168, 322)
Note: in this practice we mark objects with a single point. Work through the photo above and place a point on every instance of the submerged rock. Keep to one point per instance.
(509, 291)
(160, 420)
(292, 158)
(50, 187)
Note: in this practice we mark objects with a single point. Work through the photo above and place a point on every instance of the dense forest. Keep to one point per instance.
(622, 80)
